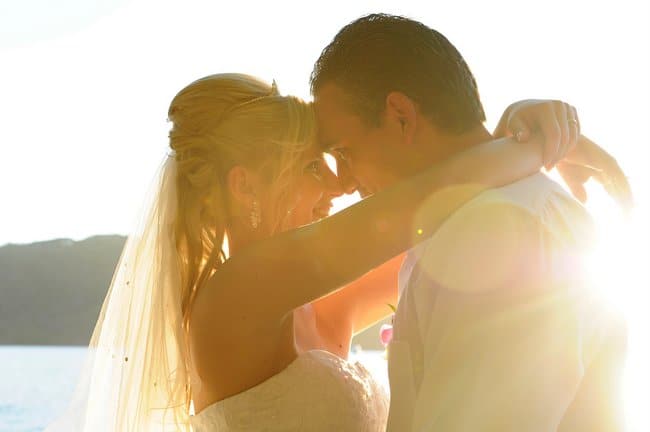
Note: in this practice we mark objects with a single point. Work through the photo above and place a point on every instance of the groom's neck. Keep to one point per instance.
(435, 146)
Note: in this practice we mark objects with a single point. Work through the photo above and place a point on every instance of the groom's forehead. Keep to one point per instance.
(328, 124)
(333, 117)
(330, 132)
(325, 144)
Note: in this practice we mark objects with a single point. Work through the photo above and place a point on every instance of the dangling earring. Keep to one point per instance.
(255, 214)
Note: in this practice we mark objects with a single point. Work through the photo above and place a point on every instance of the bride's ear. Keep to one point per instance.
(242, 185)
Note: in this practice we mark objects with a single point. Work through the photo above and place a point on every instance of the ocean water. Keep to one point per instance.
(36, 382)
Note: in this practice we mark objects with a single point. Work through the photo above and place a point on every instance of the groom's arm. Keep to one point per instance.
(361, 303)
(502, 346)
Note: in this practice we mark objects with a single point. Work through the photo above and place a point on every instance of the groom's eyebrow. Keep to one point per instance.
(326, 144)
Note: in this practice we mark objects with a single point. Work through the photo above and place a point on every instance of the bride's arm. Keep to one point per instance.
(299, 266)
(557, 121)
(584, 158)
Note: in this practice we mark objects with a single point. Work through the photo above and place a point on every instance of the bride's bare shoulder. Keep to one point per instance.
(228, 294)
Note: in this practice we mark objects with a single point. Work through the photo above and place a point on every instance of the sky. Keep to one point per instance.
(85, 87)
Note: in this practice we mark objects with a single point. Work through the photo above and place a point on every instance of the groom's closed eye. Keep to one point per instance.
(327, 144)
(341, 153)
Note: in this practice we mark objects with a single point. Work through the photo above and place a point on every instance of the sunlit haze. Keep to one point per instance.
(85, 87)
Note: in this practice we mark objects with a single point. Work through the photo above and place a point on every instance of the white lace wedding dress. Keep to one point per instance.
(317, 392)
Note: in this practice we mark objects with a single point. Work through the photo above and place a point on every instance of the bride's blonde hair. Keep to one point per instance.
(136, 374)
(218, 122)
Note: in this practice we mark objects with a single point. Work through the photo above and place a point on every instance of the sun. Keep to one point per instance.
(618, 270)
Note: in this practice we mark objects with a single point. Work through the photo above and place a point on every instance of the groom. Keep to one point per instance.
(494, 330)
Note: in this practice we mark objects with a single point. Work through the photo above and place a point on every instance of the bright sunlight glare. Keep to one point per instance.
(85, 88)
(618, 269)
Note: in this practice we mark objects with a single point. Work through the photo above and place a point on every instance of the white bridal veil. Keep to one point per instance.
(135, 377)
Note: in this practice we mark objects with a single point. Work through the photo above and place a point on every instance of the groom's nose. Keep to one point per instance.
(332, 184)
(348, 182)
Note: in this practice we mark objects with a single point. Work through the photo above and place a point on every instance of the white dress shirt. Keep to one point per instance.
(496, 324)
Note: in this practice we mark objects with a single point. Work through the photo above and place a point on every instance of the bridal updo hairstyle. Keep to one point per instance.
(219, 122)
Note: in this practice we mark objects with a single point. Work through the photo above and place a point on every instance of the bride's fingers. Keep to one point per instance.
(602, 166)
(575, 177)
(565, 131)
(613, 179)
(552, 131)
(610, 176)
(574, 125)
(618, 187)
(578, 191)
(519, 130)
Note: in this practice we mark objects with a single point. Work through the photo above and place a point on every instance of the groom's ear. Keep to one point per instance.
(401, 110)
(241, 186)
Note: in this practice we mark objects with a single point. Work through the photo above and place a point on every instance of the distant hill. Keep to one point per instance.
(51, 292)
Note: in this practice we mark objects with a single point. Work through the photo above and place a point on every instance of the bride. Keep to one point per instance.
(224, 301)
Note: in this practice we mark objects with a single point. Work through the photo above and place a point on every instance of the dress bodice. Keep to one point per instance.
(318, 391)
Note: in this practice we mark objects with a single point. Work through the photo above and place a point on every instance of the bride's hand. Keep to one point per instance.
(588, 160)
(557, 121)
(576, 157)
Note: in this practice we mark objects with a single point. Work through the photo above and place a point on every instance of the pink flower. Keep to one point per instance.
(385, 334)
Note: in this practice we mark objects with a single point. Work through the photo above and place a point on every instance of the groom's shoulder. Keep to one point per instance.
(527, 192)
(539, 199)
(504, 230)
(537, 195)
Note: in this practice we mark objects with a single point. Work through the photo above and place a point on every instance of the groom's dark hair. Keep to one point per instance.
(380, 53)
